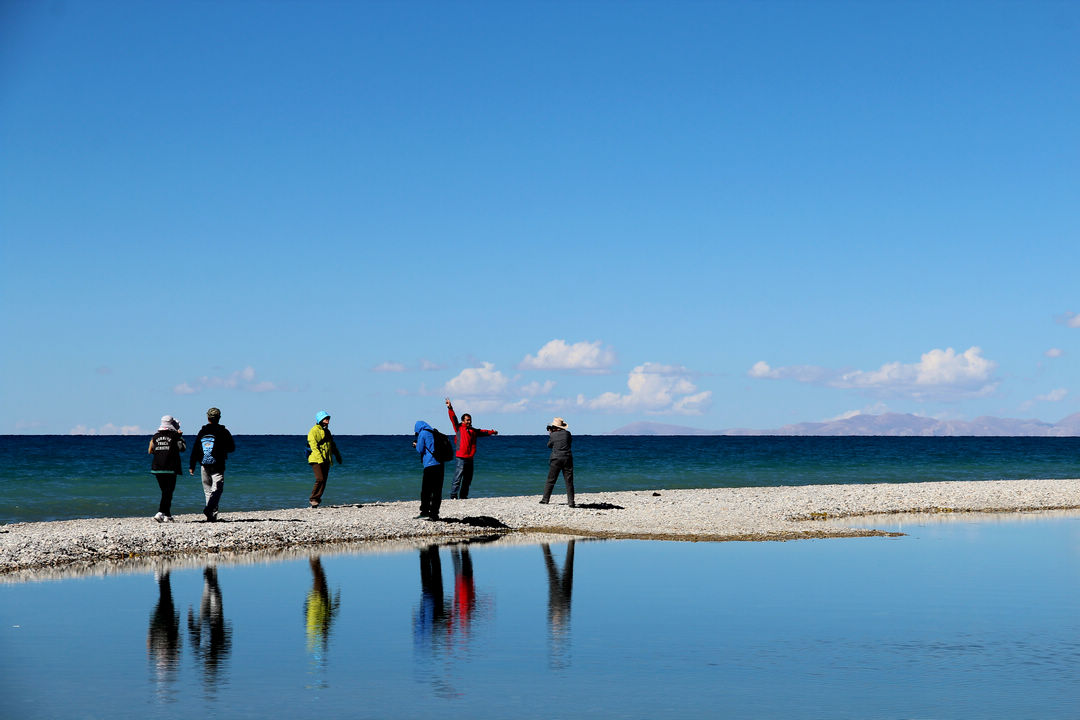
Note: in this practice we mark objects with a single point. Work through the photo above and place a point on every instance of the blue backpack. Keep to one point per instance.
(207, 442)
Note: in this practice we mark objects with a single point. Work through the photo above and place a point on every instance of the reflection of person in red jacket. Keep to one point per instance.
(466, 450)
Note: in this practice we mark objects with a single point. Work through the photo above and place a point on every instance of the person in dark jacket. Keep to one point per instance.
(166, 446)
(466, 451)
(562, 459)
(434, 473)
(212, 446)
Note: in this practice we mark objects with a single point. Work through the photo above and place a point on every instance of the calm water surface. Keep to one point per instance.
(962, 619)
(109, 476)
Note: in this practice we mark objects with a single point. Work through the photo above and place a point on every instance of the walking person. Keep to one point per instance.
(166, 446)
(434, 473)
(212, 446)
(562, 459)
(322, 446)
(466, 451)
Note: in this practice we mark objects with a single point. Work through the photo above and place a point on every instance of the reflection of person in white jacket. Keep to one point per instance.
(322, 447)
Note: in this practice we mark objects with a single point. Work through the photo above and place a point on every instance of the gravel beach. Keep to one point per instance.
(723, 514)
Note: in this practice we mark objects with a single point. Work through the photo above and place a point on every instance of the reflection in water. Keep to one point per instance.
(319, 611)
(442, 631)
(464, 594)
(163, 640)
(211, 636)
(560, 585)
(430, 625)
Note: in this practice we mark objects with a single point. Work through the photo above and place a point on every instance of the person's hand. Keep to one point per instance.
(190, 471)
(448, 403)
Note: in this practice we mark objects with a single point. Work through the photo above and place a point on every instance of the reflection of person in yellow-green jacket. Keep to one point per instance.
(319, 609)
(321, 446)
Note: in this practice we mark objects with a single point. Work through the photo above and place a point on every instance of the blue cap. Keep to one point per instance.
(320, 416)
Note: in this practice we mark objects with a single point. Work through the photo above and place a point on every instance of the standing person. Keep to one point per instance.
(166, 446)
(322, 445)
(466, 451)
(434, 473)
(562, 458)
(212, 446)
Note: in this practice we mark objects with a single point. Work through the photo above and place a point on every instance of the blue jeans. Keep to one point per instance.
(462, 478)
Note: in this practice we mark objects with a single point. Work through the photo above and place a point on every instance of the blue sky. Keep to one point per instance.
(710, 214)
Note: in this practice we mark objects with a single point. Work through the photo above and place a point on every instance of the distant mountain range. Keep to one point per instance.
(889, 424)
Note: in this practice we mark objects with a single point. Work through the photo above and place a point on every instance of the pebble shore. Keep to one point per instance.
(722, 514)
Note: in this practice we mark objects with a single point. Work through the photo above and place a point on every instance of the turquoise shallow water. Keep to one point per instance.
(61, 477)
(959, 619)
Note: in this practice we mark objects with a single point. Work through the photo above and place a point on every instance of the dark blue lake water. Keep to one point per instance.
(959, 619)
(61, 477)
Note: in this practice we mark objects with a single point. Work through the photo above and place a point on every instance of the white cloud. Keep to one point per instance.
(264, 386)
(1056, 395)
(800, 373)
(589, 357)
(938, 374)
(388, 367)
(243, 380)
(428, 365)
(484, 381)
(1054, 353)
(537, 388)
(485, 389)
(656, 389)
(1070, 319)
(107, 429)
(938, 371)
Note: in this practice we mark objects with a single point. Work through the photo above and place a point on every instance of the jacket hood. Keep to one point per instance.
(320, 416)
(420, 425)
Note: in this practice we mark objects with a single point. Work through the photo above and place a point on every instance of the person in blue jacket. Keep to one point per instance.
(434, 473)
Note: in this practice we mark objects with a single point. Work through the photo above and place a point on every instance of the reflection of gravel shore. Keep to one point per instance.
(782, 513)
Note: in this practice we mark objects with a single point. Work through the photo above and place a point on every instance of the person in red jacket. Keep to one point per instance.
(466, 451)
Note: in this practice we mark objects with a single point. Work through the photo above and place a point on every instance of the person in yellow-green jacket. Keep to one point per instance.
(322, 446)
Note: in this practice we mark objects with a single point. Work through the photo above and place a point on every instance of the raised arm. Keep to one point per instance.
(452, 414)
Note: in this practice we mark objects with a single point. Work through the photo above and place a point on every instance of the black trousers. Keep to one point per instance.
(167, 483)
(566, 466)
(431, 490)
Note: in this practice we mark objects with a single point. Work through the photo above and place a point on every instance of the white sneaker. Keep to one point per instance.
(159, 517)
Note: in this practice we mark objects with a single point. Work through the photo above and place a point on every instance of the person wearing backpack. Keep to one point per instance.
(431, 449)
(166, 446)
(466, 436)
(322, 446)
(212, 446)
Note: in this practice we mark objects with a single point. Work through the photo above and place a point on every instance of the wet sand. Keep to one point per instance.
(722, 514)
